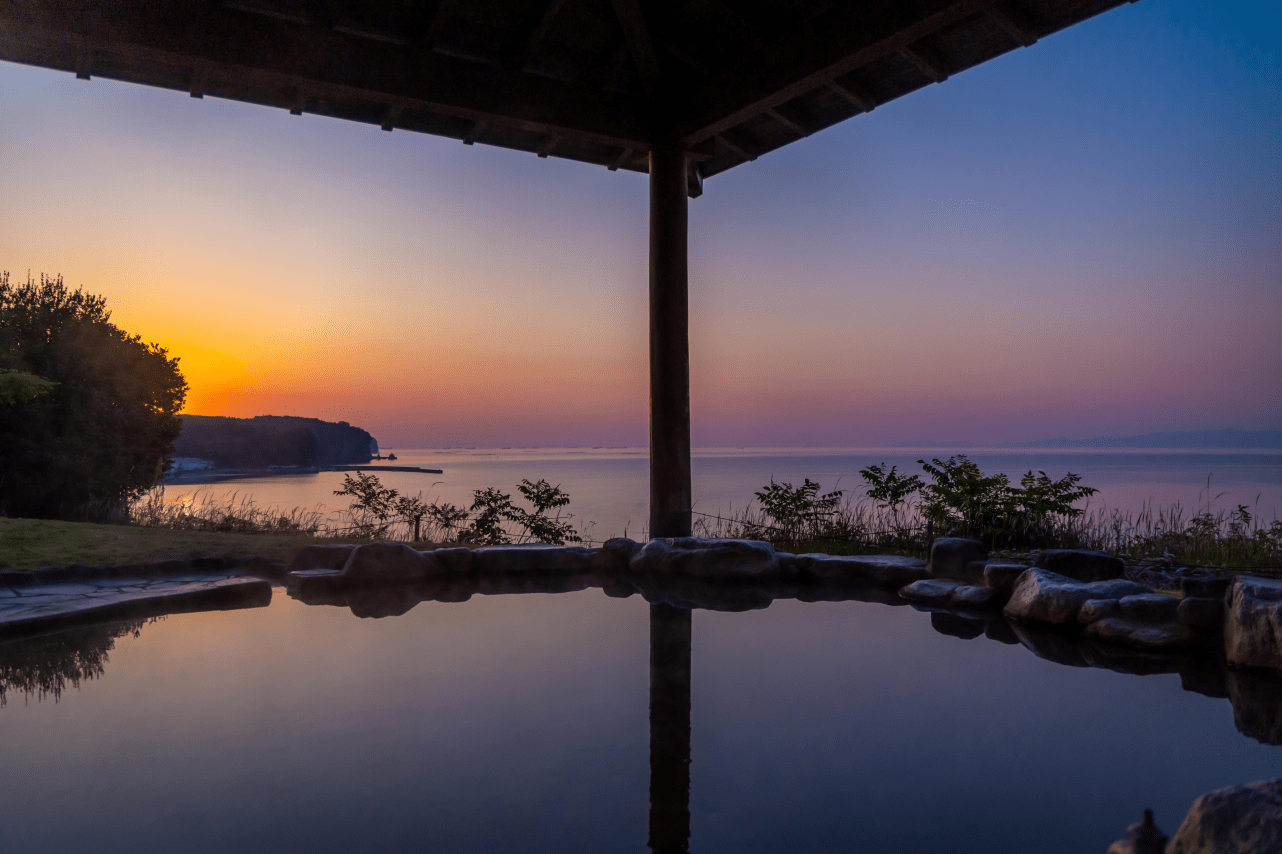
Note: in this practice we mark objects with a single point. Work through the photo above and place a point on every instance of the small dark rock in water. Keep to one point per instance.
(1080, 564)
(1237, 820)
(949, 556)
(1142, 838)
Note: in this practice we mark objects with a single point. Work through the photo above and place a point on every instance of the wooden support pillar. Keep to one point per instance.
(669, 729)
(669, 345)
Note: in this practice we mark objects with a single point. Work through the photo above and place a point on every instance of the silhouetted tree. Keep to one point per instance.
(103, 424)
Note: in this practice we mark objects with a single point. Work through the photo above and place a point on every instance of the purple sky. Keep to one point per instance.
(1077, 239)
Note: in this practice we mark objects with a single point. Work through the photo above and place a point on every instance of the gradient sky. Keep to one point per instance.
(1082, 238)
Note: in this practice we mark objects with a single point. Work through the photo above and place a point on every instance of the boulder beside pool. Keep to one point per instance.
(950, 557)
(532, 557)
(882, 570)
(1042, 596)
(1002, 576)
(388, 563)
(948, 593)
(320, 557)
(1253, 622)
(1243, 819)
(1080, 564)
(931, 591)
(744, 560)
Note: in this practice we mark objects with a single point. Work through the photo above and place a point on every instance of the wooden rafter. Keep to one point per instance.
(640, 45)
(730, 81)
(924, 59)
(1016, 21)
(531, 32)
(823, 50)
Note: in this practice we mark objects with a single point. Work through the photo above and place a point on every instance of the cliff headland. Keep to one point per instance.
(269, 441)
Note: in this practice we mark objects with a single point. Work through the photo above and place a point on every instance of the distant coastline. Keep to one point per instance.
(1254, 440)
(198, 475)
(213, 448)
(1189, 440)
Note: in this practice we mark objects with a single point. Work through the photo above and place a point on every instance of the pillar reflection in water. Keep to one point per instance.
(669, 729)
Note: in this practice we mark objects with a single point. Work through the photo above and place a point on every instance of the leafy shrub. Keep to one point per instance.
(797, 511)
(492, 509)
(888, 488)
(378, 511)
(963, 498)
(959, 498)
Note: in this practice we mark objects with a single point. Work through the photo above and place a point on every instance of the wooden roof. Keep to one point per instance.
(591, 80)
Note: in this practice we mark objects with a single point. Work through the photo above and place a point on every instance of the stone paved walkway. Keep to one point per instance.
(35, 608)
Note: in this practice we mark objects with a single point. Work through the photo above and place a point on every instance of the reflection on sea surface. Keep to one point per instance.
(44, 666)
(525, 722)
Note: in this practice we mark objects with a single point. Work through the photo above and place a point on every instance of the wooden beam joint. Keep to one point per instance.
(787, 122)
(921, 56)
(478, 127)
(624, 156)
(392, 116)
(1016, 21)
(861, 101)
(640, 45)
(84, 62)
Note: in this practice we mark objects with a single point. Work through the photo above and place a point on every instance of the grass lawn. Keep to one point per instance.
(33, 543)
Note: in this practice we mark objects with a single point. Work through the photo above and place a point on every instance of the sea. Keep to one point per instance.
(608, 487)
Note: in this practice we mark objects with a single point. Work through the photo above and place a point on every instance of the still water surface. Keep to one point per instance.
(523, 723)
(609, 487)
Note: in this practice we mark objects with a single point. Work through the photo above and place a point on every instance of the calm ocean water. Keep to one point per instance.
(608, 487)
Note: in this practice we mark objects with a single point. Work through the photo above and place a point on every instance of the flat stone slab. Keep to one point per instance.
(931, 591)
(887, 570)
(35, 608)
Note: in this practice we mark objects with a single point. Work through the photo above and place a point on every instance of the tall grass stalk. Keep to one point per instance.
(234, 514)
